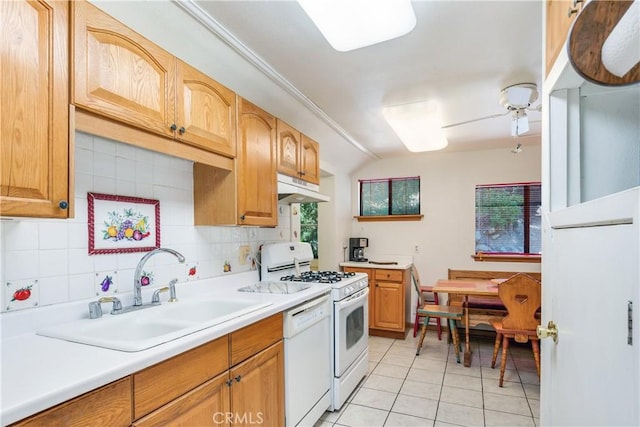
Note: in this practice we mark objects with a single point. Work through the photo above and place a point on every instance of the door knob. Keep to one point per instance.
(550, 331)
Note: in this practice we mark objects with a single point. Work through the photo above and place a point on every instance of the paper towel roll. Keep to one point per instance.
(621, 50)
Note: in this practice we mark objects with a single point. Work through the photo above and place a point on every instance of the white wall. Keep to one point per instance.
(52, 256)
(446, 235)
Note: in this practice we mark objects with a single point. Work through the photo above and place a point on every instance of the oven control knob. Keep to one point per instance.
(349, 289)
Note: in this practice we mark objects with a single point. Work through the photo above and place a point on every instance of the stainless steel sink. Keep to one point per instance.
(137, 331)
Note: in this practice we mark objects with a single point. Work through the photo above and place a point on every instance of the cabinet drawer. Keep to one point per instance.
(252, 339)
(199, 407)
(109, 405)
(161, 383)
(389, 275)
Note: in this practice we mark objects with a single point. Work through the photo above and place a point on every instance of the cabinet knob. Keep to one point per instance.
(182, 130)
(571, 11)
(63, 204)
(238, 378)
(302, 173)
(576, 2)
(242, 217)
(173, 127)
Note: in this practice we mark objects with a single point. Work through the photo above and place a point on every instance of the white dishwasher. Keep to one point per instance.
(307, 359)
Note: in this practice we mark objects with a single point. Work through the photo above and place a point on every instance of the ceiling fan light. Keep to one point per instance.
(418, 126)
(519, 124)
(519, 96)
(352, 24)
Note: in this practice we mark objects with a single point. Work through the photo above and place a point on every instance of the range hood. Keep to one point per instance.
(294, 190)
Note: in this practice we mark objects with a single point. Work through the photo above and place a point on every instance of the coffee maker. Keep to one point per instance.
(356, 249)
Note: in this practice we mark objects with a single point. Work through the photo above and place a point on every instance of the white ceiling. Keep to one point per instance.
(460, 54)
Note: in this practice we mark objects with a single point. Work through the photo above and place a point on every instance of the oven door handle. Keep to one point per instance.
(352, 300)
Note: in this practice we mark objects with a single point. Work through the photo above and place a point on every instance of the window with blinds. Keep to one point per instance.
(390, 196)
(508, 219)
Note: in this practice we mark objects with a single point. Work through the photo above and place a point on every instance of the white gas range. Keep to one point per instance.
(288, 266)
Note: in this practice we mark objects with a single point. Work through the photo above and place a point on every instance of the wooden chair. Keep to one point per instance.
(423, 289)
(521, 295)
(427, 311)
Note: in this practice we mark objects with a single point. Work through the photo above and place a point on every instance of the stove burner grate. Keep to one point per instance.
(318, 276)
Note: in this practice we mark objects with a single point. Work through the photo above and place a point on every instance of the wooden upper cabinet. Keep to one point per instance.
(123, 76)
(257, 192)
(310, 160)
(206, 111)
(557, 28)
(120, 74)
(298, 155)
(289, 148)
(34, 101)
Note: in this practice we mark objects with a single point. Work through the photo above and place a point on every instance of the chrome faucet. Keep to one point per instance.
(137, 283)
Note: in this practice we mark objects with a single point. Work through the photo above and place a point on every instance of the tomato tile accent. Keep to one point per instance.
(21, 294)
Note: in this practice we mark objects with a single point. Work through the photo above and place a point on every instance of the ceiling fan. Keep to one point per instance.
(517, 99)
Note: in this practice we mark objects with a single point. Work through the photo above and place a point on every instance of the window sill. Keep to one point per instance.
(480, 257)
(389, 218)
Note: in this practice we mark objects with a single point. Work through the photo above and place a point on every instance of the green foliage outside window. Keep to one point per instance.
(309, 225)
(392, 196)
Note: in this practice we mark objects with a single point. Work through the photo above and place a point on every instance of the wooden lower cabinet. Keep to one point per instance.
(388, 306)
(109, 405)
(207, 404)
(257, 392)
(389, 300)
(237, 379)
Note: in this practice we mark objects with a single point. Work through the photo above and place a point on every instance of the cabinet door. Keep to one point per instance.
(388, 305)
(159, 384)
(206, 111)
(310, 160)
(107, 406)
(257, 392)
(203, 406)
(34, 133)
(256, 167)
(557, 29)
(120, 74)
(289, 148)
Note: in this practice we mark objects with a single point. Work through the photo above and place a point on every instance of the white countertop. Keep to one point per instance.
(39, 372)
(401, 264)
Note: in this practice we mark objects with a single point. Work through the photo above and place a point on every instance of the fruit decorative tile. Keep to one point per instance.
(106, 283)
(21, 294)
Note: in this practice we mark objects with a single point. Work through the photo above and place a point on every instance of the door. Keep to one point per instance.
(256, 164)
(310, 160)
(389, 301)
(351, 334)
(120, 74)
(257, 391)
(205, 111)
(591, 375)
(34, 131)
(590, 268)
(289, 146)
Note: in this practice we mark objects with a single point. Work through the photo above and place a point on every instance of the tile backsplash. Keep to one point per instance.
(47, 261)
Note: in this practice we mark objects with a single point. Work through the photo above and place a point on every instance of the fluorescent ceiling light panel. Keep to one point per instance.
(352, 24)
(418, 126)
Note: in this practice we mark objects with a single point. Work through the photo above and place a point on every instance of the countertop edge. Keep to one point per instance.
(29, 387)
(399, 266)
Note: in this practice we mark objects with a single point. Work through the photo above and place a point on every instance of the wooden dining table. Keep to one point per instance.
(466, 288)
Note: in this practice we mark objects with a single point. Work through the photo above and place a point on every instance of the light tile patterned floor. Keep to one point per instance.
(433, 390)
